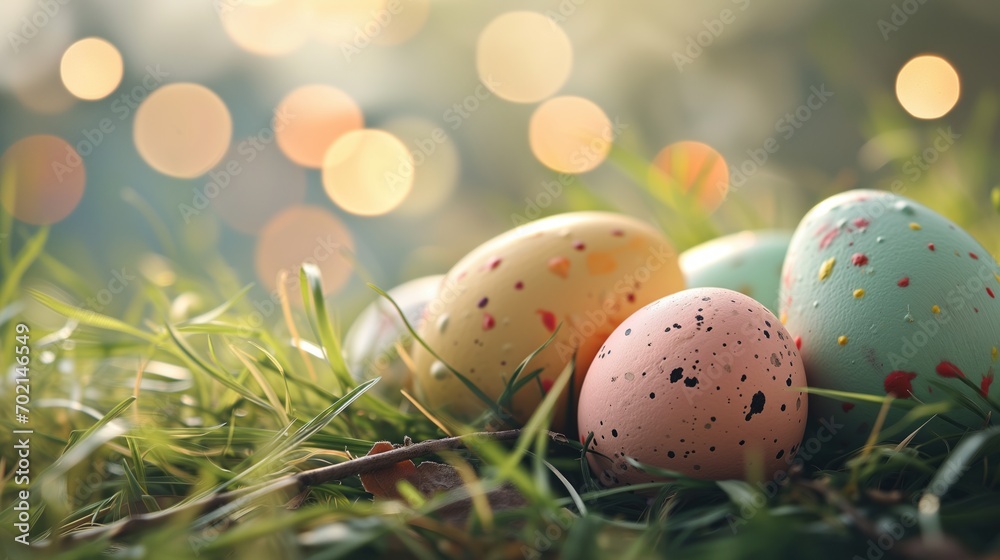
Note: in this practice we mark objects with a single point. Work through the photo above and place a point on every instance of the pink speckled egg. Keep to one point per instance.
(705, 382)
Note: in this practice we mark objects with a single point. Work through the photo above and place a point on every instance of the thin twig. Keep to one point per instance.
(296, 482)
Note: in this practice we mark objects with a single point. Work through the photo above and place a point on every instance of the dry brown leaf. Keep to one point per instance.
(381, 483)
(430, 478)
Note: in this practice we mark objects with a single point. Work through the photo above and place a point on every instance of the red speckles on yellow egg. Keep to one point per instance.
(532, 279)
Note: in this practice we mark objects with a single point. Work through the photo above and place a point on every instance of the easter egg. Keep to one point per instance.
(585, 271)
(884, 296)
(371, 346)
(705, 382)
(748, 262)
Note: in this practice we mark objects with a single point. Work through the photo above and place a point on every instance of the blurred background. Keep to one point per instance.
(221, 141)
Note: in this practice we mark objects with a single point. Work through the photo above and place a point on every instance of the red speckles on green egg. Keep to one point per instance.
(948, 369)
(899, 318)
(705, 382)
(899, 384)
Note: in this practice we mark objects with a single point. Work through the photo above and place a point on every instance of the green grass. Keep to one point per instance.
(157, 436)
(189, 460)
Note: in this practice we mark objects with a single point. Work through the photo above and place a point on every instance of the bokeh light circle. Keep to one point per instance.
(46, 179)
(523, 57)
(570, 134)
(352, 25)
(694, 169)
(310, 118)
(253, 183)
(267, 28)
(368, 172)
(44, 94)
(182, 130)
(91, 68)
(398, 21)
(927, 87)
(301, 234)
(435, 159)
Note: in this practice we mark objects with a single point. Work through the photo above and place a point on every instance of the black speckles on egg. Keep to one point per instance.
(717, 355)
(756, 405)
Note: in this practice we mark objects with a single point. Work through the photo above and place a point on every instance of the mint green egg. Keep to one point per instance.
(885, 296)
(748, 262)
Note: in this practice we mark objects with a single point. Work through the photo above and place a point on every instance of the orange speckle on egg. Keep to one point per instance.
(559, 266)
(935, 309)
(915, 226)
(859, 293)
(842, 340)
(600, 262)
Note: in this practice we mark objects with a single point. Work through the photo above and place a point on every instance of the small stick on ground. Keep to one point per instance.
(294, 482)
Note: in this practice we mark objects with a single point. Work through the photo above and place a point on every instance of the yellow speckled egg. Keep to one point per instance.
(585, 270)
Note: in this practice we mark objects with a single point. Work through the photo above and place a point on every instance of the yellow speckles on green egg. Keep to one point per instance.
(935, 309)
(842, 340)
(826, 268)
(859, 293)
(915, 226)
